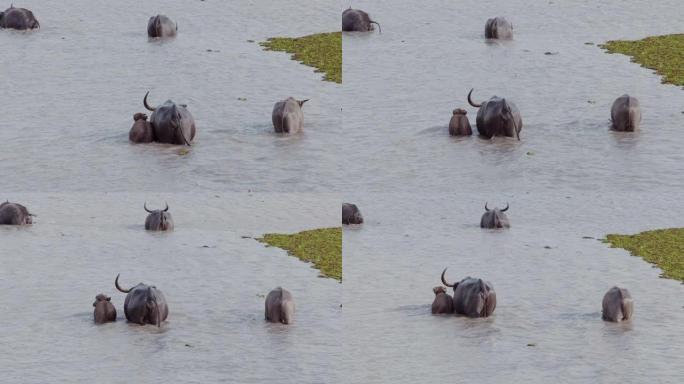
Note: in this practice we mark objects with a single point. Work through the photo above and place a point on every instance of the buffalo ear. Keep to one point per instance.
(109, 299)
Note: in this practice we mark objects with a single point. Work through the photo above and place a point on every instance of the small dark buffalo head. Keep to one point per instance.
(161, 26)
(459, 124)
(497, 117)
(494, 218)
(15, 214)
(144, 304)
(104, 310)
(438, 290)
(351, 214)
(159, 219)
(356, 20)
(172, 123)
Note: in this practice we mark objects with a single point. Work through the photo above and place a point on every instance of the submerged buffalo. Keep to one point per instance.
(356, 20)
(443, 302)
(459, 124)
(494, 218)
(161, 26)
(351, 214)
(617, 305)
(473, 297)
(287, 115)
(14, 214)
(159, 219)
(497, 117)
(171, 123)
(280, 307)
(498, 28)
(18, 18)
(625, 114)
(104, 311)
(141, 131)
(144, 304)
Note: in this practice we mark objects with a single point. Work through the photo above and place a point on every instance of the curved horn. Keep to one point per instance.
(470, 101)
(302, 102)
(145, 102)
(167, 206)
(444, 281)
(486, 209)
(145, 206)
(116, 284)
(505, 209)
(378, 24)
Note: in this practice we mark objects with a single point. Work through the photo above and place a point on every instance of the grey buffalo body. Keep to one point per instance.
(279, 306)
(497, 117)
(494, 218)
(141, 131)
(356, 20)
(171, 123)
(498, 28)
(144, 304)
(161, 26)
(287, 115)
(617, 305)
(473, 297)
(104, 309)
(14, 214)
(443, 302)
(351, 214)
(459, 124)
(18, 18)
(625, 114)
(159, 219)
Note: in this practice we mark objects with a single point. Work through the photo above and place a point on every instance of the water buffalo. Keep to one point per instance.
(617, 305)
(171, 123)
(459, 124)
(473, 297)
(443, 303)
(494, 218)
(104, 309)
(14, 214)
(287, 115)
(161, 26)
(141, 131)
(18, 18)
(158, 220)
(625, 114)
(356, 20)
(280, 307)
(498, 28)
(497, 117)
(351, 214)
(144, 304)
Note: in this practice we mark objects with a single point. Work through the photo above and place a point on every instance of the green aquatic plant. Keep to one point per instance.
(661, 53)
(322, 51)
(322, 247)
(663, 247)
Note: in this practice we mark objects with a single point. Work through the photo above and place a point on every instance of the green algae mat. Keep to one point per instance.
(663, 247)
(322, 247)
(322, 51)
(664, 54)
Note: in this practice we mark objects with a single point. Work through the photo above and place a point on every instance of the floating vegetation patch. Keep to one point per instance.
(322, 247)
(322, 51)
(664, 54)
(663, 247)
